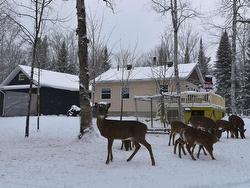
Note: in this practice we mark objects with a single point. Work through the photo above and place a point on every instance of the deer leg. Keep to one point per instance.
(209, 148)
(189, 151)
(122, 145)
(137, 147)
(111, 153)
(148, 146)
(175, 145)
(173, 138)
(170, 135)
(193, 148)
(242, 133)
(204, 151)
(110, 142)
(183, 149)
(180, 147)
(199, 150)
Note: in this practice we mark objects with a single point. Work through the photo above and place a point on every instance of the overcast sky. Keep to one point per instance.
(134, 22)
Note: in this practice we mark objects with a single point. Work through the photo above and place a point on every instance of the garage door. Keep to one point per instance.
(16, 104)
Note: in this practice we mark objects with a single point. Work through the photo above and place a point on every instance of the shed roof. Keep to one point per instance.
(47, 78)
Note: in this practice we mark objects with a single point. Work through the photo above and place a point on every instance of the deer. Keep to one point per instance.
(176, 127)
(121, 129)
(191, 136)
(205, 124)
(238, 124)
(226, 126)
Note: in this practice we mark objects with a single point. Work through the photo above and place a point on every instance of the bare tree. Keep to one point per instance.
(188, 41)
(98, 49)
(126, 60)
(180, 12)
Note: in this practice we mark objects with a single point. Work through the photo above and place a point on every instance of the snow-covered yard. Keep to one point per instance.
(54, 157)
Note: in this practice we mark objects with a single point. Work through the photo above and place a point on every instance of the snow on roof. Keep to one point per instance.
(145, 73)
(47, 78)
(54, 79)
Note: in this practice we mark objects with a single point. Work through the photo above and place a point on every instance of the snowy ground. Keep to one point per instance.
(54, 157)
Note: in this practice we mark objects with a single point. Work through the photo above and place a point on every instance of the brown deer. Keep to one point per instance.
(116, 129)
(180, 144)
(238, 124)
(176, 127)
(225, 126)
(192, 136)
(205, 124)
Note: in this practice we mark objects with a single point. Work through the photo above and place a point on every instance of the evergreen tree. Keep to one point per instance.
(246, 86)
(203, 60)
(62, 59)
(106, 64)
(222, 70)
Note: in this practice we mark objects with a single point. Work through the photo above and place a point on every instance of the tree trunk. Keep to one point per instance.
(176, 71)
(233, 68)
(30, 88)
(86, 114)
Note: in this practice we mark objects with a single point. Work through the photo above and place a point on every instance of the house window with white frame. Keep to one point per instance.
(21, 77)
(106, 93)
(125, 93)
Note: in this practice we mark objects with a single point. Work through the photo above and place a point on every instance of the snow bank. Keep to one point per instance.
(54, 157)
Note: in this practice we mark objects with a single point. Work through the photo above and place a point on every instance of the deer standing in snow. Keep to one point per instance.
(226, 126)
(239, 124)
(117, 129)
(176, 127)
(191, 136)
(205, 124)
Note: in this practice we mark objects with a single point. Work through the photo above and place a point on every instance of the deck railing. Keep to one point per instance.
(206, 98)
(192, 98)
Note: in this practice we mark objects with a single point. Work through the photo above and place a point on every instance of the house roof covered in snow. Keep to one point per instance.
(148, 73)
(47, 78)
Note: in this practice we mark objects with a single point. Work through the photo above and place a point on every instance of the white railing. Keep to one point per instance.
(193, 98)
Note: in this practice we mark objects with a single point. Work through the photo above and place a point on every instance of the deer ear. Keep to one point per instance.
(96, 104)
(108, 105)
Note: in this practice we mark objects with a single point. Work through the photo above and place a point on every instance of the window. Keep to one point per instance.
(21, 77)
(106, 93)
(125, 93)
(163, 88)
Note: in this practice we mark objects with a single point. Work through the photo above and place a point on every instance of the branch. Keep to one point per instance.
(161, 7)
(109, 4)
(244, 21)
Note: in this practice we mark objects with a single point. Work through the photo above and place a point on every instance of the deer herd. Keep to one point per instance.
(202, 131)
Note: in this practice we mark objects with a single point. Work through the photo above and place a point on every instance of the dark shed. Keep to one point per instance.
(58, 92)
